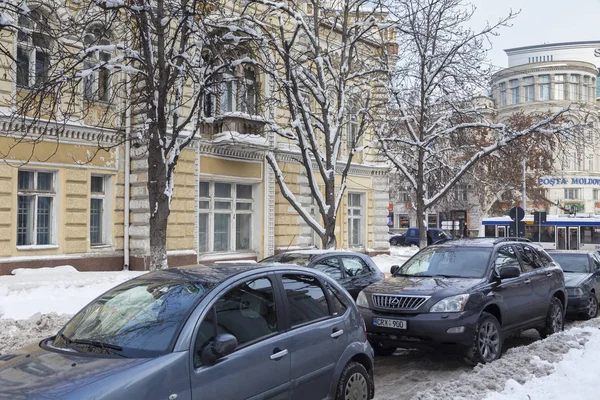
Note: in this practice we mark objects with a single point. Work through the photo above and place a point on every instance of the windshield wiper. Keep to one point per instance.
(447, 276)
(107, 347)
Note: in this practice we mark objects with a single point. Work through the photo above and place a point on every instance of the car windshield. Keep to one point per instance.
(572, 262)
(301, 260)
(460, 262)
(140, 318)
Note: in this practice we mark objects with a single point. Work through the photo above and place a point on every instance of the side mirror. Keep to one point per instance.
(223, 345)
(510, 271)
(394, 269)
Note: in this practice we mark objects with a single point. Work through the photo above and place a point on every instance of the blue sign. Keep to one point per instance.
(564, 181)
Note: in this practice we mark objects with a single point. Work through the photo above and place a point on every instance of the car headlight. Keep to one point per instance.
(361, 300)
(574, 292)
(451, 304)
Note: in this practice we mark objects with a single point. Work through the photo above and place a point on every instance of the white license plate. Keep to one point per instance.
(389, 323)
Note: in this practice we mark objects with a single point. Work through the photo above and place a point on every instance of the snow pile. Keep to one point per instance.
(241, 138)
(536, 362)
(63, 290)
(16, 334)
(575, 377)
(397, 256)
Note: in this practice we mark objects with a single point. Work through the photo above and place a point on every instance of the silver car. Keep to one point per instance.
(225, 332)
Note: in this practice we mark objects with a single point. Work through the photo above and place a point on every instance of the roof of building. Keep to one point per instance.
(550, 45)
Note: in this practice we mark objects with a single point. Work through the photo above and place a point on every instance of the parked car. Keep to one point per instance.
(226, 332)
(397, 239)
(582, 280)
(354, 271)
(434, 235)
(467, 294)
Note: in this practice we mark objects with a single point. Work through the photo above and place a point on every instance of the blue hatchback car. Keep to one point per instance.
(216, 332)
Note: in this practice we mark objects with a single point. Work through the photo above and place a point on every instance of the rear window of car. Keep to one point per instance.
(298, 259)
(572, 262)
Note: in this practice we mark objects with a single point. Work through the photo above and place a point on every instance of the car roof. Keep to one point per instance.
(480, 242)
(571, 252)
(321, 252)
(213, 273)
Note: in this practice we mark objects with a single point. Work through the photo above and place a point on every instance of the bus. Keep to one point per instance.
(559, 232)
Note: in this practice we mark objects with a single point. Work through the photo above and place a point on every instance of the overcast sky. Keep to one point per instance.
(540, 21)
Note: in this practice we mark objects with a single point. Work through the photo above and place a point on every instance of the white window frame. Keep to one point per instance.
(245, 84)
(596, 194)
(233, 212)
(585, 89)
(503, 102)
(94, 60)
(572, 193)
(105, 230)
(544, 87)
(528, 89)
(559, 87)
(514, 91)
(32, 50)
(361, 218)
(352, 131)
(53, 216)
(574, 93)
(225, 79)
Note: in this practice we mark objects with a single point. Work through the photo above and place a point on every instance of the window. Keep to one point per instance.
(306, 299)
(354, 266)
(33, 48)
(596, 194)
(432, 221)
(506, 257)
(544, 85)
(355, 229)
(574, 88)
(461, 193)
(97, 76)
(514, 91)
(585, 89)
(35, 208)
(352, 131)
(559, 87)
(246, 312)
(227, 93)
(528, 257)
(97, 210)
(225, 213)
(338, 301)
(330, 266)
(249, 92)
(589, 234)
(503, 94)
(529, 88)
(403, 220)
(571, 194)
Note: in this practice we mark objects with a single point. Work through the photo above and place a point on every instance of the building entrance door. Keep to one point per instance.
(501, 231)
(573, 238)
(561, 238)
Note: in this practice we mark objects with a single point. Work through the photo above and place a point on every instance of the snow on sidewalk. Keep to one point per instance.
(62, 290)
(397, 256)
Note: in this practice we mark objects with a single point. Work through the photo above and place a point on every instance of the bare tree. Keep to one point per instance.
(142, 69)
(435, 104)
(327, 61)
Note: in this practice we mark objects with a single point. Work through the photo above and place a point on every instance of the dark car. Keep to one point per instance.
(397, 239)
(466, 294)
(354, 271)
(227, 332)
(434, 235)
(582, 280)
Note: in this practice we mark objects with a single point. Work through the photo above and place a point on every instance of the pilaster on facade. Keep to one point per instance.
(381, 200)
(139, 208)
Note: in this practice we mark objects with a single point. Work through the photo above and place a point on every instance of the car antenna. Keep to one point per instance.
(290, 245)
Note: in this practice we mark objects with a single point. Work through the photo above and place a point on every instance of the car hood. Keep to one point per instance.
(426, 286)
(35, 372)
(574, 279)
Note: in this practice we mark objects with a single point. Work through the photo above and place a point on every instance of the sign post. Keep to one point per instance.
(539, 218)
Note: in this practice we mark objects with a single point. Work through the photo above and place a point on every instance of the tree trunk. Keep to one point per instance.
(159, 204)
(329, 240)
(421, 222)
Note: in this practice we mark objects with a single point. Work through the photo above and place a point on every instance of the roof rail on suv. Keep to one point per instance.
(511, 239)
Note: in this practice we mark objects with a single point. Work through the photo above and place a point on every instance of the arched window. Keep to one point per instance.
(33, 49)
(96, 81)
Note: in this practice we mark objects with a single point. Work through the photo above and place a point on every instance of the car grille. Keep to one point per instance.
(393, 302)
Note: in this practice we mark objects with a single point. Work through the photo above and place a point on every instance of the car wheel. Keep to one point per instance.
(592, 307)
(555, 321)
(381, 350)
(488, 340)
(394, 242)
(355, 383)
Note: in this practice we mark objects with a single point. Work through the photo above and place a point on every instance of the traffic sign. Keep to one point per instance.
(517, 214)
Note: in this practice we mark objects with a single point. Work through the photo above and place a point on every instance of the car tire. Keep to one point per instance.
(381, 350)
(394, 242)
(592, 308)
(355, 383)
(555, 319)
(487, 341)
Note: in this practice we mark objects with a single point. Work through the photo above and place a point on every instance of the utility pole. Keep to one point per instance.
(524, 203)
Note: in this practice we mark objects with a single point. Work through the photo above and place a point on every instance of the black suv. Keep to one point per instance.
(468, 293)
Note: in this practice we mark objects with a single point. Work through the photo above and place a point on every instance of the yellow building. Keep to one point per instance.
(78, 196)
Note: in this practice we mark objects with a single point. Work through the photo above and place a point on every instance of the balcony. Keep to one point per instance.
(236, 129)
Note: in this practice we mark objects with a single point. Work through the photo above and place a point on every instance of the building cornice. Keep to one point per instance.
(207, 148)
(535, 68)
(554, 46)
(355, 168)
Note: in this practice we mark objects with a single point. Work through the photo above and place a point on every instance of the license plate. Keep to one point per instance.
(389, 323)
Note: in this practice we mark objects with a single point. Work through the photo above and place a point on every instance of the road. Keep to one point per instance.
(409, 372)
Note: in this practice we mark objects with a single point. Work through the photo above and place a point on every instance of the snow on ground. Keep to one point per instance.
(397, 256)
(62, 290)
(16, 334)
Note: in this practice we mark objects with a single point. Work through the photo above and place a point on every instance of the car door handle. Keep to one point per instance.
(277, 354)
(549, 274)
(527, 281)
(337, 333)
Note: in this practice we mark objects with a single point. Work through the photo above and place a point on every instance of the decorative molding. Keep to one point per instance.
(355, 169)
(270, 210)
(231, 151)
(541, 70)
